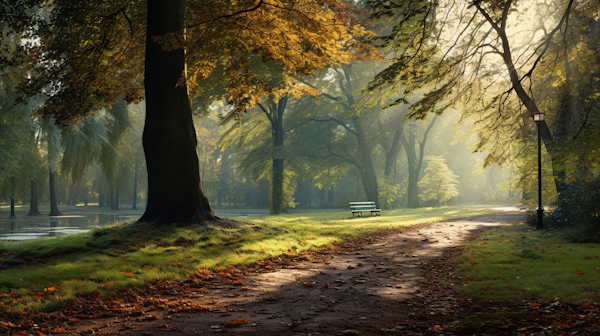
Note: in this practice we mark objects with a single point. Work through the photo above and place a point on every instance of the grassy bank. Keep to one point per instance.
(46, 272)
(511, 263)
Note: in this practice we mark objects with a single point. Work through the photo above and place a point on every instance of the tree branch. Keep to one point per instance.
(257, 6)
(267, 113)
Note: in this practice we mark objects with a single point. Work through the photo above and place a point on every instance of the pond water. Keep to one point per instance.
(25, 227)
(33, 227)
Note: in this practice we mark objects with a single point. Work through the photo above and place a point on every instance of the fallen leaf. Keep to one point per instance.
(237, 322)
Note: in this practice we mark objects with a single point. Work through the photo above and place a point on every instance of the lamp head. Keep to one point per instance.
(538, 117)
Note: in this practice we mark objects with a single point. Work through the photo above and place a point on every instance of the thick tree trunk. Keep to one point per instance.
(135, 179)
(276, 117)
(33, 205)
(53, 199)
(330, 197)
(169, 138)
(12, 209)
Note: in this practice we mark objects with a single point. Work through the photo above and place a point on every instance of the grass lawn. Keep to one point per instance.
(512, 263)
(47, 272)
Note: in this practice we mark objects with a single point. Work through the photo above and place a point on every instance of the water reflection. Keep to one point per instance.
(24, 228)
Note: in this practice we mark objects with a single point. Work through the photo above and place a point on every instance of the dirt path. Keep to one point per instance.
(385, 285)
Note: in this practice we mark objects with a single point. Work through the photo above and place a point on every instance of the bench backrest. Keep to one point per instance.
(362, 205)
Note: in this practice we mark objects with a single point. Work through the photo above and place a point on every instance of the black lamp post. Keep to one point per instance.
(539, 118)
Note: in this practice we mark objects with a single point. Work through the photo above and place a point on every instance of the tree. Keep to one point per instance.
(415, 163)
(345, 117)
(82, 41)
(439, 183)
(19, 156)
(504, 79)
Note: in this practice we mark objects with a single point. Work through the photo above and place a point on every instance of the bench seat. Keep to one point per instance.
(360, 207)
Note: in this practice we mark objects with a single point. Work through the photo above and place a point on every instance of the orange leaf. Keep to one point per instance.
(238, 282)
(579, 272)
(553, 274)
(58, 331)
(236, 322)
(41, 333)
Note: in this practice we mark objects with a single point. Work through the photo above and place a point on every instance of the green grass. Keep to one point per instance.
(49, 271)
(512, 263)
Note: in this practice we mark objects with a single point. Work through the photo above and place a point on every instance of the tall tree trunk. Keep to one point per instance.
(101, 192)
(322, 196)
(412, 193)
(33, 205)
(330, 197)
(368, 170)
(275, 115)
(169, 138)
(111, 196)
(248, 198)
(85, 192)
(415, 164)
(309, 191)
(116, 205)
(553, 146)
(135, 179)
(53, 199)
(391, 156)
(71, 199)
(12, 209)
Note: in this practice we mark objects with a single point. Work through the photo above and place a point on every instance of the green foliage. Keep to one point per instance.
(19, 156)
(389, 192)
(439, 183)
(512, 262)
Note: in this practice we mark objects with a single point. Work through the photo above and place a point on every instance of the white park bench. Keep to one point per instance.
(360, 207)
